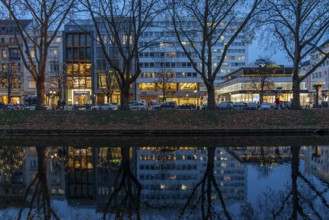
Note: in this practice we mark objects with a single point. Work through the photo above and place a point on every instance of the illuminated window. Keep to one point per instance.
(32, 53)
(32, 84)
(171, 54)
(125, 39)
(188, 86)
(146, 86)
(4, 53)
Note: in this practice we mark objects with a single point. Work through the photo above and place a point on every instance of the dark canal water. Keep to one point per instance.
(164, 178)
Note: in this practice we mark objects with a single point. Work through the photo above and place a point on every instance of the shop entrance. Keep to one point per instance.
(81, 97)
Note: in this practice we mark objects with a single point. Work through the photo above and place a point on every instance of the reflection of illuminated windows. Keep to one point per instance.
(224, 165)
(227, 178)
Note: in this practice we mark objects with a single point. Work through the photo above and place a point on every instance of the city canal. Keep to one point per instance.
(164, 178)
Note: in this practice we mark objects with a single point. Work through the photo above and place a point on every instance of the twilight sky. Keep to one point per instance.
(256, 51)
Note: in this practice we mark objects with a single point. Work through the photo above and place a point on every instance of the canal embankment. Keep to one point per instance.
(164, 123)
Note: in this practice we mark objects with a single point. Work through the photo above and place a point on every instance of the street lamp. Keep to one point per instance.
(195, 98)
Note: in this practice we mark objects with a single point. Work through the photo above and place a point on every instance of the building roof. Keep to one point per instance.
(7, 26)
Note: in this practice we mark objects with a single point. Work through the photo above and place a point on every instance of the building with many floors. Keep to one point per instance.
(182, 83)
(12, 70)
(318, 82)
(245, 85)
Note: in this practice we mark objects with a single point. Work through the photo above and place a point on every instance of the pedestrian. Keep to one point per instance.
(59, 104)
(277, 102)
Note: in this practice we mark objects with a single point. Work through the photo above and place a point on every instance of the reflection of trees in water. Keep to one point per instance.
(39, 202)
(300, 199)
(11, 174)
(126, 194)
(208, 186)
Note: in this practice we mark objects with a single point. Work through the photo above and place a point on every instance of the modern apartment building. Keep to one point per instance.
(77, 67)
(318, 82)
(182, 83)
(245, 85)
(11, 72)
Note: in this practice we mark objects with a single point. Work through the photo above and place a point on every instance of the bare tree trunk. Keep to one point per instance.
(211, 97)
(124, 98)
(41, 91)
(296, 91)
(42, 170)
(9, 91)
(294, 176)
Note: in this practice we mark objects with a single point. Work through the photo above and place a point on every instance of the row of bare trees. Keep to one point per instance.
(298, 27)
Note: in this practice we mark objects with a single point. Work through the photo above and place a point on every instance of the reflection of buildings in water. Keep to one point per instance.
(317, 161)
(12, 186)
(80, 178)
(55, 171)
(168, 175)
(231, 175)
(108, 165)
(271, 156)
(24, 168)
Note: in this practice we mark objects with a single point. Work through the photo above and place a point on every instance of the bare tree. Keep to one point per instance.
(164, 81)
(127, 191)
(300, 199)
(108, 84)
(56, 76)
(48, 17)
(300, 28)
(40, 199)
(200, 26)
(122, 24)
(261, 81)
(208, 186)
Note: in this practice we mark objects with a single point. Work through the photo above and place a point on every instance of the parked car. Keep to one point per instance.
(30, 107)
(267, 106)
(285, 105)
(187, 107)
(204, 107)
(225, 106)
(82, 107)
(252, 106)
(240, 106)
(15, 107)
(170, 105)
(68, 107)
(105, 107)
(2, 105)
(137, 106)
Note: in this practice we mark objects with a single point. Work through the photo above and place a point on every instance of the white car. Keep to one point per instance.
(105, 107)
(137, 106)
(30, 107)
